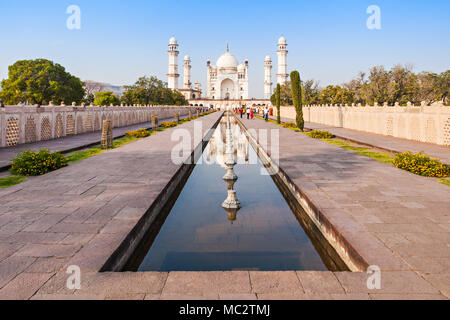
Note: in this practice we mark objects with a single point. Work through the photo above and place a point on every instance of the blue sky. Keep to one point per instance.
(328, 40)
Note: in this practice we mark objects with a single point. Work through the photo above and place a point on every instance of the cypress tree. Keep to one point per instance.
(278, 102)
(297, 99)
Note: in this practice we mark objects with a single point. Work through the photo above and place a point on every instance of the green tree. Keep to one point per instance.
(150, 90)
(285, 95)
(310, 92)
(297, 99)
(444, 87)
(403, 85)
(377, 88)
(39, 82)
(278, 102)
(106, 99)
(328, 94)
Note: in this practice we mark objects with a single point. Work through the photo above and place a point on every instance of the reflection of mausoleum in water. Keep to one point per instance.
(216, 149)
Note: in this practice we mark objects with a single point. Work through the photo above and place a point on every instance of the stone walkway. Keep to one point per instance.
(392, 144)
(79, 215)
(69, 143)
(393, 219)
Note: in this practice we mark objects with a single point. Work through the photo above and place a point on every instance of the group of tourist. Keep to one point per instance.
(251, 111)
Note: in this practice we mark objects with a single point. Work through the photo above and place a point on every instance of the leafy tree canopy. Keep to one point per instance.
(106, 99)
(400, 84)
(39, 82)
(151, 90)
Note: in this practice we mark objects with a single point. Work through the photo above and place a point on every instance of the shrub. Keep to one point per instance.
(169, 124)
(30, 163)
(140, 133)
(317, 134)
(422, 164)
(289, 125)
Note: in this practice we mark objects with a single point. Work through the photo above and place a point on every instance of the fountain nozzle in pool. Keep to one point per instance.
(230, 177)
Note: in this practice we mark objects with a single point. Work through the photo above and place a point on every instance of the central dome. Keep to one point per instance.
(227, 60)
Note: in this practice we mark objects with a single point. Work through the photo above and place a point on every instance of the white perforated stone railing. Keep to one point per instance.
(420, 123)
(27, 124)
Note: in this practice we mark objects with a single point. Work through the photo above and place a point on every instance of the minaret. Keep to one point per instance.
(173, 64)
(282, 76)
(267, 78)
(187, 73)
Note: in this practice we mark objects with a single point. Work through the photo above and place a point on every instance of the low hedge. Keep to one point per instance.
(421, 164)
(169, 124)
(140, 133)
(317, 134)
(30, 163)
(289, 125)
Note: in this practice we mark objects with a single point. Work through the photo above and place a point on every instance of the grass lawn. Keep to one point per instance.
(10, 181)
(337, 142)
(78, 156)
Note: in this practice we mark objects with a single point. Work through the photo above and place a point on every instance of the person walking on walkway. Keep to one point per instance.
(248, 113)
(252, 114)
(241, 111)
(266, 113)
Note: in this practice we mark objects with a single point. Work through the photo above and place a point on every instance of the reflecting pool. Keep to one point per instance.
(200, 233)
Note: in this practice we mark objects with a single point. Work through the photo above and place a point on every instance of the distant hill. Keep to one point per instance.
(95, 86)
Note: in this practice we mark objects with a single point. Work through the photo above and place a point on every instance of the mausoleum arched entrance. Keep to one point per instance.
(227, 88)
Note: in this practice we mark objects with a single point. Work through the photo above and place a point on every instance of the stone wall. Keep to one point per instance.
(25, 124)
(224, 103)
(421, 123)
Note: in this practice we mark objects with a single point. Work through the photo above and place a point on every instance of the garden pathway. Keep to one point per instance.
(69, 143)
(391, 144)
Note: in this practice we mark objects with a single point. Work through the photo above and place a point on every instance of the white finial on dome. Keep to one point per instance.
(282, 40)
(268, 58)
(187, 57)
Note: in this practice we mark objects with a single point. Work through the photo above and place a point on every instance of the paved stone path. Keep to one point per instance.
(391, 144)
(80, 214)
(394, 219)
(69, 143)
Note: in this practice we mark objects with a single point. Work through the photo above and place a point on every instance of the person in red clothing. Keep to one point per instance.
(241, 111)
(252, 114)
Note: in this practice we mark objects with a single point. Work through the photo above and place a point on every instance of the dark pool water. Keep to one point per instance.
(199, 235)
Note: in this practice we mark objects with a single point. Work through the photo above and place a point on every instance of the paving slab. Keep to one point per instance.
(201, 283)
(405, 297)
(397, 282)
(285, 282)
(320, 282)
(24, 286)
